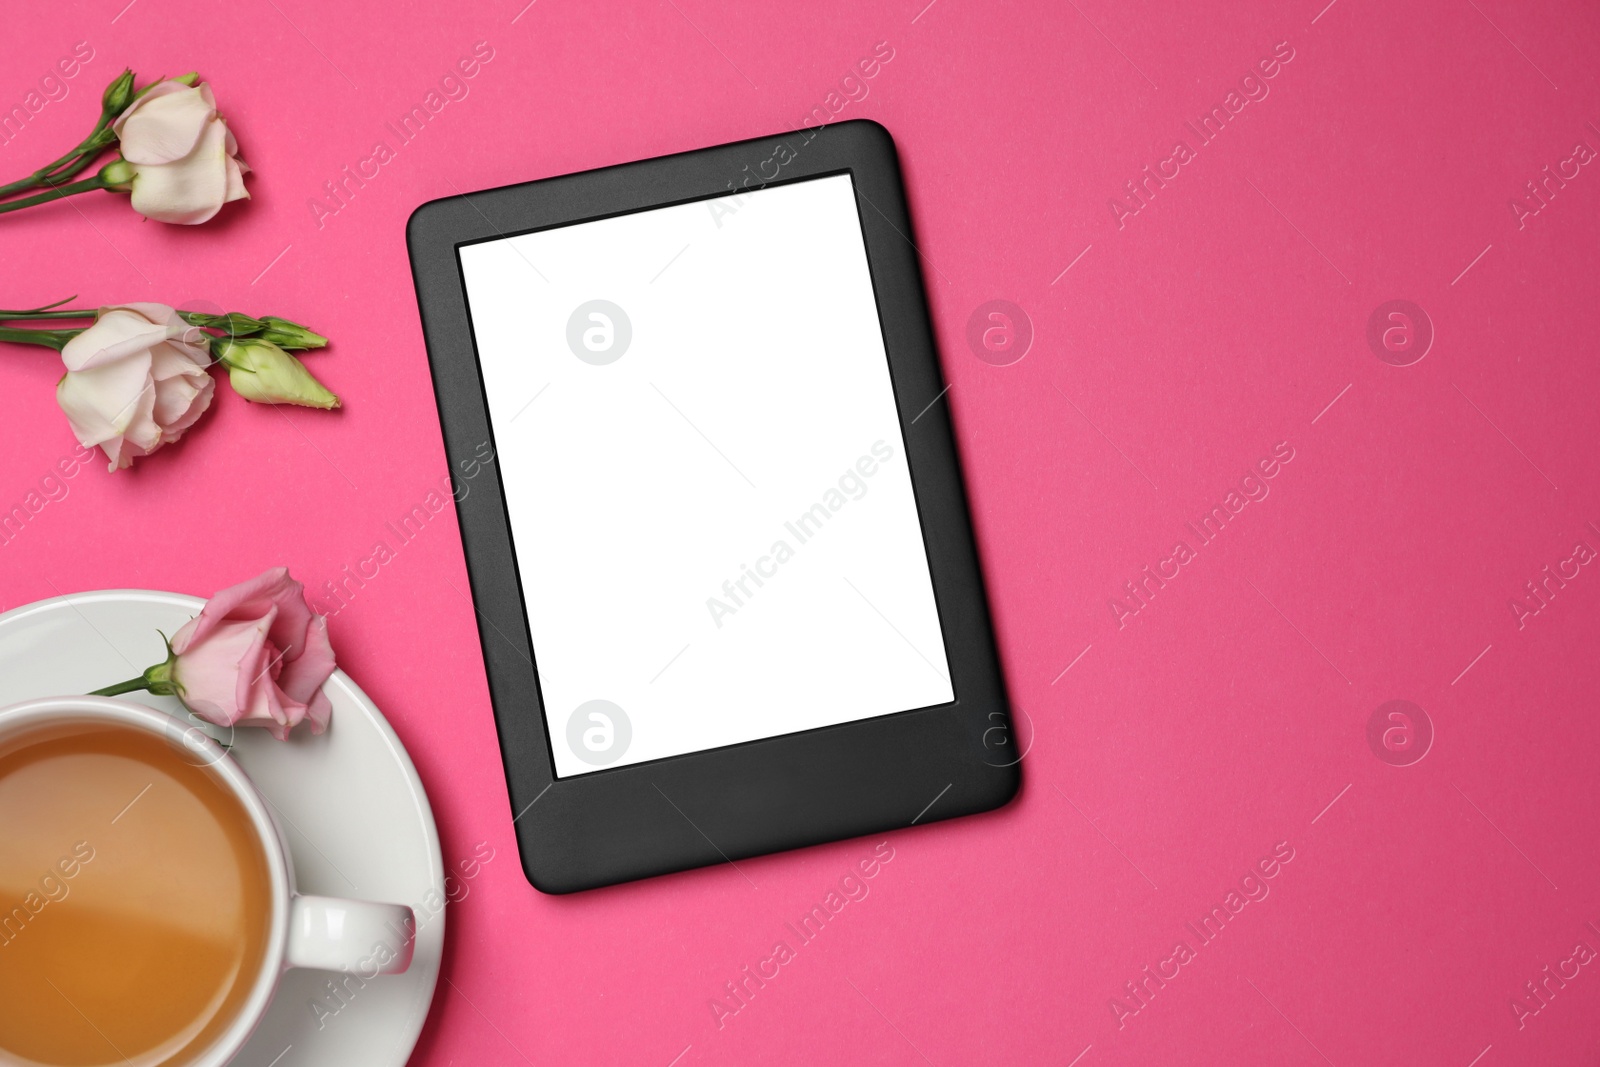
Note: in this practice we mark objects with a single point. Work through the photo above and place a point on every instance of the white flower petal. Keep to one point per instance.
(180, 401)
(117, 334)
(177, 328)
(236, 190)
(101, 402)
(166, 125)
(189, 191)
(147, 395)
(171, 358)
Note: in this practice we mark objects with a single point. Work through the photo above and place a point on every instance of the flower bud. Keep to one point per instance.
(118, 175)
(118, 95)
(233, 323)
(261, 371)
(291, 335)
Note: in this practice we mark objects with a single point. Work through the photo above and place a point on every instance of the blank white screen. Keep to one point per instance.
(655, 495)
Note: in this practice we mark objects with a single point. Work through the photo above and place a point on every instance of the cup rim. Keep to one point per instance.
(64, 710)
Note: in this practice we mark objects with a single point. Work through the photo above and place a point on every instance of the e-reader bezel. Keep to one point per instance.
(724, 804)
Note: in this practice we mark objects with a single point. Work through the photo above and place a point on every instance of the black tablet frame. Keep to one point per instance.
(724, 804)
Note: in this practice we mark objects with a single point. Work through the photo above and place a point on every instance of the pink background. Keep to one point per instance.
(1221, 319)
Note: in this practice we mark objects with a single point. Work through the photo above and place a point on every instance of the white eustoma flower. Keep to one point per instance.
(183, 157)
(136, 380)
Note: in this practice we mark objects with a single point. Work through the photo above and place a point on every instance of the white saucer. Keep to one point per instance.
(358, 820)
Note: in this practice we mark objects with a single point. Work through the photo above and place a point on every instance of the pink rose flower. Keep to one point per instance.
(256, 655)
(136, 380)
(184, 159)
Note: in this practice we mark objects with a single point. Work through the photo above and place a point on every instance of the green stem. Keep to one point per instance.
(56, 339)
(157, 679)
(204, 319)
(58, 177)
(132, 685)
(87, 185)
(59, 170)
(38, 177)
(45, 307)
(29, 316)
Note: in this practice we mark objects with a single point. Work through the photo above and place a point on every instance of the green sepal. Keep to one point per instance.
(233, 324)
(162, 679)
(291, 335)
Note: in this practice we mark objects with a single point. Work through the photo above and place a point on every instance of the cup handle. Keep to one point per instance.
(356, 936)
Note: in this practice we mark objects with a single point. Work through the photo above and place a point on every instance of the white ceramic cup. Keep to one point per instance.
(326, 933)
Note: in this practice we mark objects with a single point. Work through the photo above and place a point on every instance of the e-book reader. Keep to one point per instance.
(725, 579)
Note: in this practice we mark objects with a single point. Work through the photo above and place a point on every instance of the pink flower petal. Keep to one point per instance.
(319, 712)
(252, 671)
(256, 655)
(270, 710)
(304, 676)
(247, 600)
(294, 617)
(210, 672)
